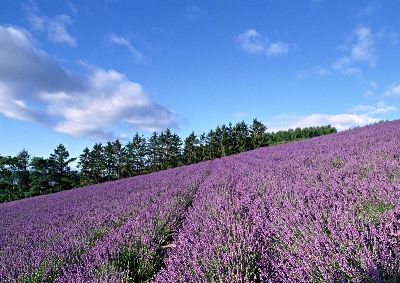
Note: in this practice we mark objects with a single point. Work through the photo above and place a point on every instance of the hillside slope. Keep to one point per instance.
(320, 210)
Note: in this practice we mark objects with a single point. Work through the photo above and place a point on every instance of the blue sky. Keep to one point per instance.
(77, 72)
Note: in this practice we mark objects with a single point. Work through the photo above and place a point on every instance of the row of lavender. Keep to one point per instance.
(134, 251)
(321, 210)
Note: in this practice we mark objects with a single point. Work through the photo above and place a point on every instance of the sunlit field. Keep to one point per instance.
(325, 209)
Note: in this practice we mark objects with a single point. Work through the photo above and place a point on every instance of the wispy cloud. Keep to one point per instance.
(193, 13)
(360, 49)
(369, 9)
(372, 87)
(378, 108)
(57, 30)
(352, 71)
(99, 103)
(316, 71)
(392, 36)
(55, 27)
(392, 90)
(72, 7)
(252, 42)
(124, 41)
(359, 52)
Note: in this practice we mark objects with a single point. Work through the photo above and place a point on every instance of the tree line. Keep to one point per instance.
(23, 176)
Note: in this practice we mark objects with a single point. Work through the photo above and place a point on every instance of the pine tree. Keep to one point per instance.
(174, 144)
(135, 156)
(162, 150)
(61, 176)
(153, 152)
(118, 152)
(227, 140)
(204, 147)
(84, 164)
(170, 150)
(21, 172)
(258, 134)
(214, 143)
(40, 176)
(191, 146)
(241, 137)
(110, 162)
(6, 178)
(97, 163)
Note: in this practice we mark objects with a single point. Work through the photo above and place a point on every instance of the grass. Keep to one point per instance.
(373, 211)
(47, 272)
(137, 261)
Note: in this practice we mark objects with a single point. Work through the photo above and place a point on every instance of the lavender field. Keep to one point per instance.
(320, 210)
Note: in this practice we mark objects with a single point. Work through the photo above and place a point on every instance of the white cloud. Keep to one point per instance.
(393, 90)
(339, 121)
(252, 42)
(123, 41)
(277, 48)
(359, 115)
(55, 28)
(396, 90)
(11, 107)
(33, 87)
(361, 50)
(378, 108)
